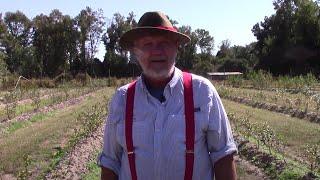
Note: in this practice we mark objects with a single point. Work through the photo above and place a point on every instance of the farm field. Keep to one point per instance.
(60, 64)
(58, 135)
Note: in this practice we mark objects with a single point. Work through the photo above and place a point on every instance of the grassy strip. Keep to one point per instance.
(38, 117)
(275, 165)
(295, 133)
(297, 101)
(310, 116)
(295, 141)
(28, 107)
(44, 141)
(272, 165)
(94, 170)
(94, 118)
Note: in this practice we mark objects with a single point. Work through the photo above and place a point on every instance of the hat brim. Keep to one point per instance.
(127, 39)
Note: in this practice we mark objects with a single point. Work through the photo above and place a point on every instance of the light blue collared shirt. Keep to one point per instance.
(159, 132)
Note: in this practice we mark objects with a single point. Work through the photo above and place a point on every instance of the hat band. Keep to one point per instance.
(167, 28)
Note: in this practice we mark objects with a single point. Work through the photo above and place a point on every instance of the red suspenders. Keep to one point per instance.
(128, 129)
(189, 120)
(189, 114)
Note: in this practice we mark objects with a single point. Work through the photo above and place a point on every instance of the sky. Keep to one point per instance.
(224, 19)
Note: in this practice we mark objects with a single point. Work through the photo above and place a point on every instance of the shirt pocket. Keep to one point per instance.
(176, 128)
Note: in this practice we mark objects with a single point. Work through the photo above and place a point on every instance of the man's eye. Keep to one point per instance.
(147, 44)
(164, 44)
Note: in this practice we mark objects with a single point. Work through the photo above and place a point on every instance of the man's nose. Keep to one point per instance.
(156, 51)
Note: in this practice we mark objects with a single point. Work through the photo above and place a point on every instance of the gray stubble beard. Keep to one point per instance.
(156, 75)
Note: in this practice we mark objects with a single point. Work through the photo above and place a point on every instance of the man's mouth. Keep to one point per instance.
(158, 61)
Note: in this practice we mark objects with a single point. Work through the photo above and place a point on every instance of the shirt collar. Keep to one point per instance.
(175, 79)
(177, 75)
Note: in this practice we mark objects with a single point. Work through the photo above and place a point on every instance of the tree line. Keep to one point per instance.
(50, 45)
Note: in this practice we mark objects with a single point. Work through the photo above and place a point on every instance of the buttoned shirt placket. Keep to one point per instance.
(159, 110)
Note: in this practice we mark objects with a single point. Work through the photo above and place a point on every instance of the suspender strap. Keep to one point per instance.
(189, 121)
(190, 126)
(128, 129)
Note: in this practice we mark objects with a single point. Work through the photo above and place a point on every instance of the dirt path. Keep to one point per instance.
(74, 164)
(251, 172)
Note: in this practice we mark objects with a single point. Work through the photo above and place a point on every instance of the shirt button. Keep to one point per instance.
(157, 130)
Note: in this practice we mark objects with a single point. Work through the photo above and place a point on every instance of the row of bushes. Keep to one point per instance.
(264, 80)
(264, 136)
(9, 82)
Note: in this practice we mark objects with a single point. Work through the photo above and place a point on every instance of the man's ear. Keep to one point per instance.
(133, 58)
(132, 52)
(136, 52)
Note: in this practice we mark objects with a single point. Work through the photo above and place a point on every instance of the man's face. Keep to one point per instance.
(156, 55)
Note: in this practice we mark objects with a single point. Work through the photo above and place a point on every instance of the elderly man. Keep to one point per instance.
(167, 124)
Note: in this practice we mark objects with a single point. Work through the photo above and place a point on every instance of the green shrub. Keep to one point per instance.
(235, 81)
(62, 78)
(10, 100)
(260, 79)
(9, 82)
(83, 78)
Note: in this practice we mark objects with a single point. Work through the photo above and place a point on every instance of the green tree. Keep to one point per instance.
(205, 42)
(19, 26)
(288, 40)
(116, 59)
(55, 40)
(224, 50)
(187, 54)
(3, 32)
(203, 62)
(307, 29)
(16, 42)
(3, 65)
(202, 67)
(91, 25)
(244, 58)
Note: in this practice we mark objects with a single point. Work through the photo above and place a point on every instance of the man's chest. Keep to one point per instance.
(163, 125)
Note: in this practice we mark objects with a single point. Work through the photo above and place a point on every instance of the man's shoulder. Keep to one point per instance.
(200, 79)
(120, 94)
(202, 82)
(122, 90)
